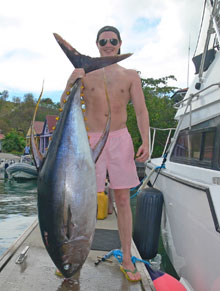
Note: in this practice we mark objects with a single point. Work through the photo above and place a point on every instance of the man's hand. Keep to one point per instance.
(142, 153)
(76, 74)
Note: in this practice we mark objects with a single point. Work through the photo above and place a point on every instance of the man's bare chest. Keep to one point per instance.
(114, 84)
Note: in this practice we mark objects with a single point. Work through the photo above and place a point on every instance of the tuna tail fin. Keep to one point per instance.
(81, 61)
(38, 158)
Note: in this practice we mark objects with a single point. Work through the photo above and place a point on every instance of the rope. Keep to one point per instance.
(119, 257)
(145, 180)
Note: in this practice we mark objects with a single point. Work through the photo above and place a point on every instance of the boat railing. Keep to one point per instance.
(152, 138)
(191, 96)
(213, 28)
(188, 104)
(216, 17)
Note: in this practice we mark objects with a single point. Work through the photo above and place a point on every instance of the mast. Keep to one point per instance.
(214, 27)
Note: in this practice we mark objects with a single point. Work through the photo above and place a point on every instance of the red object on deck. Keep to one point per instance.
(168, 283)
(163, 281)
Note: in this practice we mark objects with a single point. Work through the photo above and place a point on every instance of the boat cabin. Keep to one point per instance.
(38, 128)
(47, 132)
(43, 131)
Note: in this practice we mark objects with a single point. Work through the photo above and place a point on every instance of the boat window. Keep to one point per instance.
(195, 147)
(208, 146)
(209, 58)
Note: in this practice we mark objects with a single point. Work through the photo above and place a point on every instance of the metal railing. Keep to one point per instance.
(152, 143)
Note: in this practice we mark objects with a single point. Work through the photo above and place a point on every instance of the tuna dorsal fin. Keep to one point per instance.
(81, 61)
(97, 150)
(38, 158)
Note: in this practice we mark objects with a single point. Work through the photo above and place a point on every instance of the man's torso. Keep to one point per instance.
(117, 81)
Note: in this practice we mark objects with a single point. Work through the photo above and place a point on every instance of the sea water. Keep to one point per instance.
(18, 210)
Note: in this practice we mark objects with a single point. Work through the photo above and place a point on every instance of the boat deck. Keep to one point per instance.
(37, 272)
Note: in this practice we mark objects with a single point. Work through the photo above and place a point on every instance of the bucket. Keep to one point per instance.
(102, 200)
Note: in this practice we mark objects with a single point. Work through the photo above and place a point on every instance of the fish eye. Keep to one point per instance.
(67, 267)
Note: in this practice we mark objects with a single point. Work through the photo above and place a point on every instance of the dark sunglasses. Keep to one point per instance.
(103, 42)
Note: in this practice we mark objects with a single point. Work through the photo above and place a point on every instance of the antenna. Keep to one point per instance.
(188, 64)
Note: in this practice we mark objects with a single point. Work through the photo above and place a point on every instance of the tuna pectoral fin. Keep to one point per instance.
(96, 152)
(68, 225)
(38, 158)
(81, 61)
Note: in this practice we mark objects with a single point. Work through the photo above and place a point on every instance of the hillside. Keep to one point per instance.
(18, 114)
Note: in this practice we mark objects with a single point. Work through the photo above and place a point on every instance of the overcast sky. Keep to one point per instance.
(156, 31)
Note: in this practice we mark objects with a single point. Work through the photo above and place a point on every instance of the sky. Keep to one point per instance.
(157, 32)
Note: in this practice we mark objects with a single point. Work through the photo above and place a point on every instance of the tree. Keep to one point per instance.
(29, 98)
(47, 101)
(4, 95)
(13, 142)
(4, 126)
(161, 111)
(16, 100)
(18, 114)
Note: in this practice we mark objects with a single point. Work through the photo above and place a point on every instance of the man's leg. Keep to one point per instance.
(122, 199)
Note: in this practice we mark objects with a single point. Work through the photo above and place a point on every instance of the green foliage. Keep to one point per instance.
(4, 127)
(4, 95)
(161, 111)
(13, 142)
(29, 98)
(132, 126)
(47, 101)
(158, 87)
(18, 114)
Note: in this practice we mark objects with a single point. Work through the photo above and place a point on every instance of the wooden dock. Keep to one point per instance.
(37, 272)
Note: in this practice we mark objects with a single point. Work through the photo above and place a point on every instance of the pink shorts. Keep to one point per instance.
(117, 158)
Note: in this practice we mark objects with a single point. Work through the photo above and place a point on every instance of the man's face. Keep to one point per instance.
(108, 44)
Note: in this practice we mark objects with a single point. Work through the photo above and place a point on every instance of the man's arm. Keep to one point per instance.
(141, 111)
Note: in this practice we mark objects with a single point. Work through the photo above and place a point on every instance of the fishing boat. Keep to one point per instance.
(189, 173)
(22, 170)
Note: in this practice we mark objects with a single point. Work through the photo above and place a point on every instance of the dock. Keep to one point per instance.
(37, 271)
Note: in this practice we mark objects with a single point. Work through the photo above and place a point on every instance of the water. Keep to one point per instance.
(18, 210)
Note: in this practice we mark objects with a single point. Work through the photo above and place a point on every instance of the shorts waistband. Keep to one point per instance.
(111, 133)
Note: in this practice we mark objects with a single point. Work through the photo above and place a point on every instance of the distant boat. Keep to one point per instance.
(23, 170)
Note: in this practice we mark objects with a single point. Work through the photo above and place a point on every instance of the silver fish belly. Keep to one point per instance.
(67, 191)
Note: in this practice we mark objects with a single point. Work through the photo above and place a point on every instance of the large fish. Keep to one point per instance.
(66, 182)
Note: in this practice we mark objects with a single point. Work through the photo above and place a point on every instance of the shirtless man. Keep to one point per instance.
(122, 85)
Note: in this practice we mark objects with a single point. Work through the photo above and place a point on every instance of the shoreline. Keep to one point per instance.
(8, 156)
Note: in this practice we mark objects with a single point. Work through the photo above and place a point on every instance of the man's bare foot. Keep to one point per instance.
(130, 271)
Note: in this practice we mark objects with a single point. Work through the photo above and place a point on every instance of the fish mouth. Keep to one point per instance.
(71, 264)
(71, 256)
(68, 269)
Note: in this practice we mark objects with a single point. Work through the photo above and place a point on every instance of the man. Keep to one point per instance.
(117, 157)
(27, 150)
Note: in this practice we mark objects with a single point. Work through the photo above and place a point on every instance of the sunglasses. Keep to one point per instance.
(103, 42)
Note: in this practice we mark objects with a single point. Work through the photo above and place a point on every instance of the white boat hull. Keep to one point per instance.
(22, 171)
(189, 229)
